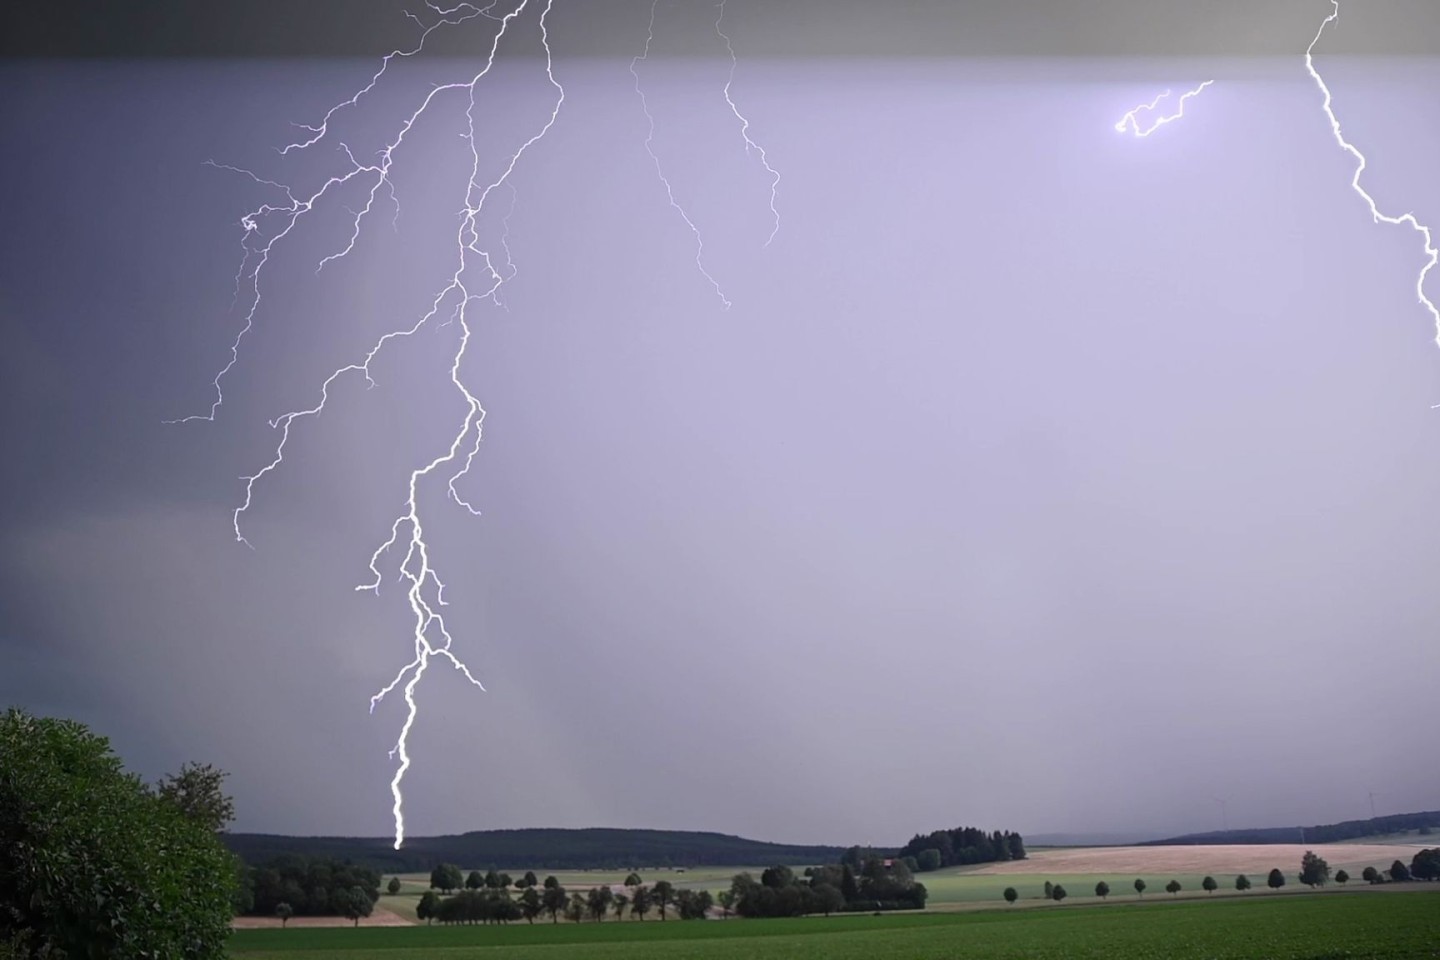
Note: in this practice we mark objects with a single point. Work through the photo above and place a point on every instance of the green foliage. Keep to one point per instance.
(1425, 865)
(1342, 877)
(356, 904)
(1275, 880)
(529, 880)
(927, 860)
(474, 881)
(1399, 872)
(1314, 871)
(531, 903)
(480, 905)
(314, 888)
(446, 877)
(427, 907)
(554, 899)
(393, 887)
(284, 912)
(197, 791)
(1209, 885)
(962, 845)
(1140, 886)
(661, 894)
(1173, 887)
(1011, 895)
(1242, 883)
(1057, 893)
(1102, 889)
(93, 862)
(1049, 889)
(632, 879)
(1370, 875)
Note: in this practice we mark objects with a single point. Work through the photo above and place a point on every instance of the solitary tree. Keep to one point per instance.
(1209, 884)
(1370, 875)
(621, 902)
(356, 903)
(1049, 889)
(1102, 889)
(474, 881)
(1173, 887)
(551, 882)
(1341, 877)
(1276, 880)
(597, 902)
(284, 911)
(1057, 893)
(1242, 883)
(491, 880)
(1399, 872)
(529, 880)
(632, 879)
(428, 905)
(1314, 871)
(1140, 886)
(1011, 895)
(393, 887)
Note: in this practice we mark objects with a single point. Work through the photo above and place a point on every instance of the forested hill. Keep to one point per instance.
(1320, 833)
(597, 847)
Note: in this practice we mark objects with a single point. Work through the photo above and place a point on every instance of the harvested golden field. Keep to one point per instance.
(1226, 859)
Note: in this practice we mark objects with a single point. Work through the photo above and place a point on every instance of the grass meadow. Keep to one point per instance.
(1355, 925)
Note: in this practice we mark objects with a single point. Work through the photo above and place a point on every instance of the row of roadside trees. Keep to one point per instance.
(1314, 872)
(498, 898)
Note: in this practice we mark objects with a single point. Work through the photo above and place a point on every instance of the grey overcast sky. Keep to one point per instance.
(1039, 478)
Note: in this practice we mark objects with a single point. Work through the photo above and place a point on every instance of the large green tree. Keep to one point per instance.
(94, 863)
(1314, 871)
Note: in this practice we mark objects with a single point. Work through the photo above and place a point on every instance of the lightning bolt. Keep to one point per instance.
(1131, 119)
(1431, 253)
(655, 159)
(475, 278)
(750, 145)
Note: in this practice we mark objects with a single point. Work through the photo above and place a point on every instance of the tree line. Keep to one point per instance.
(879, 884)
(295, 886)
(1423, 822)
(549, 848)
(488, 898)
(1314, 872)
(960, 846)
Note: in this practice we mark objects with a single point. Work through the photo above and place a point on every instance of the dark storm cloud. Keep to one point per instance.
(787, 29)
(1039, 477)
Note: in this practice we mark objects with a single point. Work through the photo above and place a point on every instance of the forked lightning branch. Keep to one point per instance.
(477, 277)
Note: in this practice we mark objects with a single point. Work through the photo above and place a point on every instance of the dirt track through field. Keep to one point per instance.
(1217, 860)
(379, 918)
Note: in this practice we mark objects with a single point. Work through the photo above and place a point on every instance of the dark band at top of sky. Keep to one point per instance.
(762, 28)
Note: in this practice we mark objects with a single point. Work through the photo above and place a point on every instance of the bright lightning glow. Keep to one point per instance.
(659, 170)
(745, 124)
(475, 278)
(1131, 120)
(1431, 253)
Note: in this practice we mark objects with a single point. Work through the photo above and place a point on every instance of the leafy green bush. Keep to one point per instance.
(93, 862)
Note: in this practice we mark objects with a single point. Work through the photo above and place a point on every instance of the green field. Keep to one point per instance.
(1355, 925)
